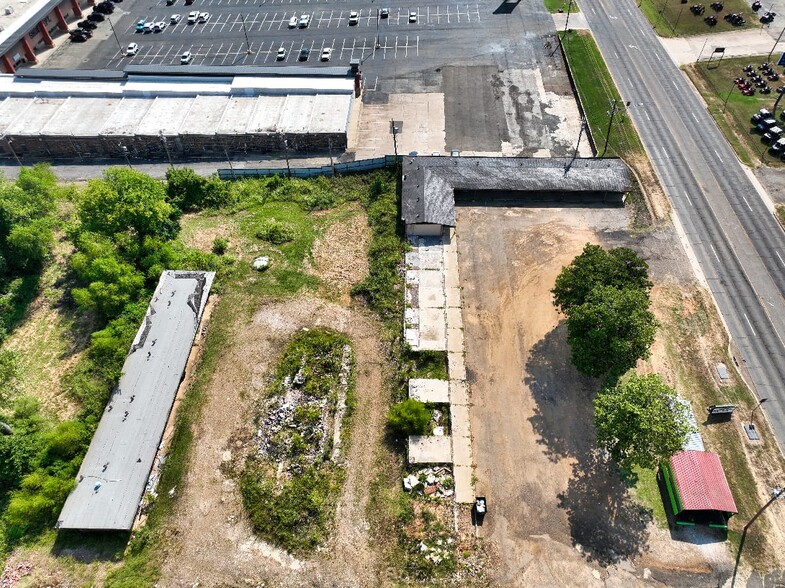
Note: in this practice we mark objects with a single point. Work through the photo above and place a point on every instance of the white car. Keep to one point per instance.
(176, 18)
(354, 17)
(384, 12)
(186, 58)
(132, 50)
(159, 26)
(293, 22)
(305, 20)
(413, 16)
(192, 16)
(204, 17)
(327, 52)
(281, 55)
(149, 27)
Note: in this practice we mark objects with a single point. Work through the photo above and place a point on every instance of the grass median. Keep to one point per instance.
(555, 6)
(671, 18)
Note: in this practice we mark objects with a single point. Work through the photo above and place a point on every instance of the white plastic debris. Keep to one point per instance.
(261, 263)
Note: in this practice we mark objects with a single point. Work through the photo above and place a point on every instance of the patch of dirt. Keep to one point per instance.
(558, 512)
(202, 238)
(656, 200)
(339, 256)
(212, 542)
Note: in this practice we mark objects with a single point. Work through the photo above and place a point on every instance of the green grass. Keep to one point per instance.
(674, 19)
(715, 83)
(647, 491)
(597, 91)
(555, 6)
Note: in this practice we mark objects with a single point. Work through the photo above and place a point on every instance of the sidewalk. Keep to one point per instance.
(758, 41)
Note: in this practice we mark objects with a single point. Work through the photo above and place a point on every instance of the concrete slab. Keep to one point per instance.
(454, 318)
(430, 258)
(433, 329)
(459, 392)
(455, 340)
(431, 297)
(464, 490)
(429, 390)
(459, 422)
(452, 297)
(430, 449)
(456, 366)
(451, 279)
(431, 279)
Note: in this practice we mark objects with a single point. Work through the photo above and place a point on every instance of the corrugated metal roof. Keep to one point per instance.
(694, 441)
(429, 183)
(701, 482)
(114, 472)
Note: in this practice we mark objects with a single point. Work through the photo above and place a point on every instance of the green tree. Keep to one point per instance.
(620, 267)
(189, 191)
(29, 244)
(610, 331)
(9, 372)
(127, 201)
(409, 417)
(640, 422)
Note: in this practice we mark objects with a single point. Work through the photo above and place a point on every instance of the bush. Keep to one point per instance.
(220, 245)
(409, 417)
(275, 232)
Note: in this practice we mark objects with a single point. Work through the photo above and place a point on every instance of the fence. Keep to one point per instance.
(311, 172)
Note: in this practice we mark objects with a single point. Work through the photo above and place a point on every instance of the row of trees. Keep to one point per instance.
(605, 296)
(123, 231)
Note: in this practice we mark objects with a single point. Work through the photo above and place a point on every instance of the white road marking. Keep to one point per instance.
(747, 203)
(715, 253)
(754, 334)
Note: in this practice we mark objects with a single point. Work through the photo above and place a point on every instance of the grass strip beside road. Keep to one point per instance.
(671, 18)
(597, 92)
(715, 84)
(556, 6)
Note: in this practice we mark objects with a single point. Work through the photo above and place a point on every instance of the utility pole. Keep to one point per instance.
(124, 150)
(659, 15)
(229, 161)
(166, 148)
(775, 44)
(245, 32)
(286, 155)
(577, 146)
(614, 104)
(395, 137)
(724, 104)
(8, 141)
(111, 26)
(377, 27)
(567, 20)
(775, 494)
(702, 48)
(330, 148)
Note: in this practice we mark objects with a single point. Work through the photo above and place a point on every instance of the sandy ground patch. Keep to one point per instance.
(560, 514)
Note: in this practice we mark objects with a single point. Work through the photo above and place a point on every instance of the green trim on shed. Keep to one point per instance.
(673, 492)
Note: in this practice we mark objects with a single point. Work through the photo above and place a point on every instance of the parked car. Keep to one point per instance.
(354, 17)
(304, 53)
(772, 135)
(78, 36)
(327, 53)
(384, 12)
(293, 22)
(140, 26)
(186, 58)
(149, 27)
(132, 50)
(87, 25)
(189, 2)
(96, 17)
(760, 115)
(766, 124)
(159, 26)
(170, 2)
(175, 18)
(413, 16)
(104, 8)
(305, 20)
(281, 55)
(204, 17)
(192, 16)
(778, 146)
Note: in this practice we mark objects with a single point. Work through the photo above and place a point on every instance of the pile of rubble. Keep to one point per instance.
(275, 433)
(12, 574)
(438, 550)
(436, 482)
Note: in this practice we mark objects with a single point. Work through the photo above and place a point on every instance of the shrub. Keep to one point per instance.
(275, 232)
(220, 245)
(409, 417)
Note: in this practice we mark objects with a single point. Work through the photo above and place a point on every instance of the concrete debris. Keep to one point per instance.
(12, 574)
(437, 552)
(434, 482)
(261, 263)
(438, 431)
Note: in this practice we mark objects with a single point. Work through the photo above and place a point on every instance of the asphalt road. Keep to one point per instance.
(736, 239)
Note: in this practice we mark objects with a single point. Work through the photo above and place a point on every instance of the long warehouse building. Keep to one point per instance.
(114, 473)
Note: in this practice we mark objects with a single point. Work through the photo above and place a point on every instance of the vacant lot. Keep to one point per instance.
(560, 514)
(674, 19)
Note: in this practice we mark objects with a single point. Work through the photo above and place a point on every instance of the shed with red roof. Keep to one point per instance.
(698, 490)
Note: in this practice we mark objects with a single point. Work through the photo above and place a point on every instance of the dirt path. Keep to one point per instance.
(561, 517)
(213, 543)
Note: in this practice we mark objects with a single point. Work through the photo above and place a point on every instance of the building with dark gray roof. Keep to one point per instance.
(432, 185)
(114, 473)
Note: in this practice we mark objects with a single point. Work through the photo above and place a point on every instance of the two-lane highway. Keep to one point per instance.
(736, 239)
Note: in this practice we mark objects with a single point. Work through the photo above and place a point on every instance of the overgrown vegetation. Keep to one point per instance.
(409, 417)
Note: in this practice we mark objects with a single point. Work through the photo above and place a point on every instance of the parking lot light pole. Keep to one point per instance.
(111, 26)
(724, 104)
(752, 414)
(395, 138)
(8, 141)
(245, 32)
(124, 149)
(659, 15)
(775, 44)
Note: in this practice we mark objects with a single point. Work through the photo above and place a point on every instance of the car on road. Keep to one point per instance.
(140, 26)
(192, 16)
(293, 22)
(132, 50)
(186, 58)
(175, 18)
(96, 17)
(413, 16)
(304, 53)
(384, 12)
(354, 17)
(281, 55)
(159, 26)
(204, 17)
(305, 20)
(327, 53)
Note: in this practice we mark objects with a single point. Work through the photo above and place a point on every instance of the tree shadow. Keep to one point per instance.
(564, 408)
(88, 547)
(507, 7)
(608, 524)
